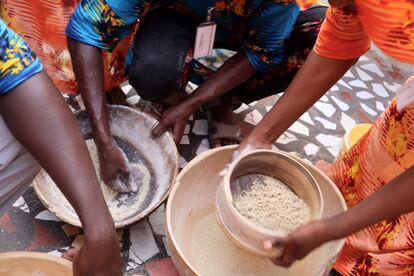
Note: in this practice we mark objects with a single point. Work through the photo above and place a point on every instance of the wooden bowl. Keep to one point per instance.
(193, 198)
(133, 128)
(33, 264)
(279, 165)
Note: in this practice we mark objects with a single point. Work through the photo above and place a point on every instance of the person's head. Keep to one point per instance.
(161, 52)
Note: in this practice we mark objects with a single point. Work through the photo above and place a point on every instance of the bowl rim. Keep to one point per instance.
(228, 198)
(36, 256)
(126, 222)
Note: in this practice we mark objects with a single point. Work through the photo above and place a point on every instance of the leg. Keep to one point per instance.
(17, 169)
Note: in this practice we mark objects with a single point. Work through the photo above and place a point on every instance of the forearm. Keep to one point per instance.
(88, 67)
(391, 201)
(38, 117)
(233, 72)
(316, 76)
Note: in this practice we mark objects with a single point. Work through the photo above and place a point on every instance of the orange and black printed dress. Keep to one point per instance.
(42, 25)
(386, 248)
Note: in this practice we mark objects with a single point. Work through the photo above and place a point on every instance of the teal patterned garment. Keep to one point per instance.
(260, 28)
(17, 61)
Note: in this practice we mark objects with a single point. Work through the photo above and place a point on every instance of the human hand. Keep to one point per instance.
(299, 243)
(97, 257)
(114, 168)
(175, 119)
(248, 144)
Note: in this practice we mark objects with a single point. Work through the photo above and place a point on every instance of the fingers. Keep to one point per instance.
(178, 131)
(159, 129)
(71, 254)
(287, 257)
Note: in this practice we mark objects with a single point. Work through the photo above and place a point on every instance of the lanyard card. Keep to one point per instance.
(204, 42)
(405, 96)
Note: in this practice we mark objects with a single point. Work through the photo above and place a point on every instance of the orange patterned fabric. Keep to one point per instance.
(42, 24)
(389, 23)
(386, 248)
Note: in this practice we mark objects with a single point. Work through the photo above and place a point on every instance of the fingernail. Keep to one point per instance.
(267, 245)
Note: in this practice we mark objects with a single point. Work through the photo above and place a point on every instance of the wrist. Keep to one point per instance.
(100, 231)
(259, 139)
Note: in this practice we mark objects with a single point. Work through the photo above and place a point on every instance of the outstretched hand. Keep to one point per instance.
(175, 119)
(299, 243)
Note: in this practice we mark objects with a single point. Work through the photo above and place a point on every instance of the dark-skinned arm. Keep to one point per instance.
(87, 64)
(391, 201)
(39, 118)
(233, 72)
(317, 75)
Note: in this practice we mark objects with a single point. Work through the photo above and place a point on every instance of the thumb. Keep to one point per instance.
(71, 254)
(158, 129)
(277, 242)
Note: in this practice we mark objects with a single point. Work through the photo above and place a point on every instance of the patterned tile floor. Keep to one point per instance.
(359, 97)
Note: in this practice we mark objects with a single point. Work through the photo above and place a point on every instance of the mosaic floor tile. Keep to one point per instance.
(364, 95)
(286, 138)
(187, 129)
(300, 128)
(46, 215)
(143, 245)
(373, 68)
(334, 88)
(183, 162)
(380, 106)
(133, 100)
(342, 105)
(204, 145)
(156, 219)
(311, 149)
(327, 109)
(324, 99)
(200, 127)
(332, 143)
(363, 75)
(369, 110)
(254, 117)
(306, 118)
(326, 124)
(343, 83)
(347, 122)
(349, 74)
(185, 140)
(392, 87)
(380, 90)
(357, 83)
(164, 267)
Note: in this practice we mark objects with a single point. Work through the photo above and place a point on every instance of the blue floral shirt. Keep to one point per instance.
(17, 61)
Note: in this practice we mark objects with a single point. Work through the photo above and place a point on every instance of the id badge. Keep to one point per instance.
(204, 42)
(405, 96)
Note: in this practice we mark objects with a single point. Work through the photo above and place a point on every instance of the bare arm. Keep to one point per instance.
(313, 80)
(38, 117)
(391, 201)
(88, 67)
(233, 72)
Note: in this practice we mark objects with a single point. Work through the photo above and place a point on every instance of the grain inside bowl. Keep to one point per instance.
(269, 203)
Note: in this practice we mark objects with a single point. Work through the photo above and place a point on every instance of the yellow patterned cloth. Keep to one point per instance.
(387, 150)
